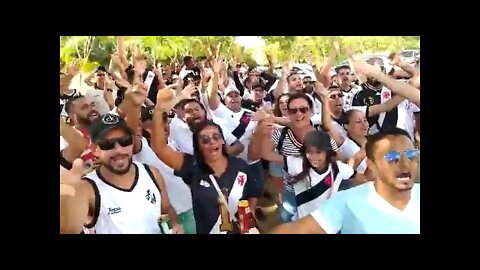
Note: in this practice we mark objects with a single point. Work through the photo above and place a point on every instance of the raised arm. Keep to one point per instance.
(121, 50)
(280, 89)
(76, 142)
(76, 197)
(386, 106)
(213, 98)
(72, 71)
(165, 153)
(270, 64)
(324, 74)
(88, 80)
(327, 122)
(397, 61)
(400, 88)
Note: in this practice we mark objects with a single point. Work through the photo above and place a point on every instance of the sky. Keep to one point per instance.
(252, 42)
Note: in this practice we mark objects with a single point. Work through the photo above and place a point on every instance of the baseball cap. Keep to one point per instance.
(318, 139)
(147, 113)
(229, 90)
(102, 125)
(100, 68)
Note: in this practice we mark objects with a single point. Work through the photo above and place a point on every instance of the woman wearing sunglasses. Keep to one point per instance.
(214, 177)
(388, 205)
(287, 142)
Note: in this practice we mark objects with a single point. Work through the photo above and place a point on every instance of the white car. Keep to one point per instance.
(409, 56)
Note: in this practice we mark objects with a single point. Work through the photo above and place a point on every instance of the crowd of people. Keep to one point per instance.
(189, 146)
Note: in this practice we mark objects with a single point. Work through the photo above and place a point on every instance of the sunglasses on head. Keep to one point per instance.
(301, 109)
(109, 144)
(207, 139)
(335, 96)
(394, 156)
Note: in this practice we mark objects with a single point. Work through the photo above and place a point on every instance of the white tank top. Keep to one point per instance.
(134, 211)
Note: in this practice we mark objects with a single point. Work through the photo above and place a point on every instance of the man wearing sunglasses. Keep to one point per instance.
(388, 205)
(121, 196)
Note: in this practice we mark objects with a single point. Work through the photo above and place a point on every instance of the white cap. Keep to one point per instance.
(230, 89)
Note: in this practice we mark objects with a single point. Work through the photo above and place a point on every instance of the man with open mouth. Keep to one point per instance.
(388, 205)
(120, 196)
(81, 112)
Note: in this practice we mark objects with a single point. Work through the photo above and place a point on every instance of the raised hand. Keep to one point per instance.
(218, 65)
(336, 47)
(115, 58)
(394, 59)
(259, 115)
(74, 68)
(267, 126)
(158, 70)
(189, 89)
(287, 67)
(137, 94)
(362, 67)
(69, 178)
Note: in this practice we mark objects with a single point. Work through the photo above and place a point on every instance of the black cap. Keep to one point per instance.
(147, 113)
(318, 139)
(100, 68)
(102, 125)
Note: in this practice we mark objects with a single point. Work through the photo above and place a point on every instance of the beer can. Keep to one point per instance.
(163, 223)
(244, 216)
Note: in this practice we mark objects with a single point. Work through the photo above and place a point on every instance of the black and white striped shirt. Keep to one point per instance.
(290, 146)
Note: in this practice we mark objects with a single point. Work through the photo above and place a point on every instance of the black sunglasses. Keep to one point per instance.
(109, 144)
(207, 139)
(303, 110)
(335, 96)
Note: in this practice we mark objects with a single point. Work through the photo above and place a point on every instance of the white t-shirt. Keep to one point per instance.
(232, 120)
(312, 192)
(406, 119)
(348, 149)
(178, 192)
(181, 134)
(360, 210)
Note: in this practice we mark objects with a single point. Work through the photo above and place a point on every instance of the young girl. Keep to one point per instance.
(315, 175)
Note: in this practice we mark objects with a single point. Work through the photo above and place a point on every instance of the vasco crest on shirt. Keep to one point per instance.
(369, 101)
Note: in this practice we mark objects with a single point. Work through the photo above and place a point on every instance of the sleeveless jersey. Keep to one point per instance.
(121, 211)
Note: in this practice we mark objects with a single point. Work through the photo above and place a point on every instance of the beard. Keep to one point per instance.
(111, 166)
(84, 121)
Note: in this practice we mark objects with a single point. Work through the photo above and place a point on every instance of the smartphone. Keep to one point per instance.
(149, 79)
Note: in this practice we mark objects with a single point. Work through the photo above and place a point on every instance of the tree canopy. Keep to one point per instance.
(96, 50)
